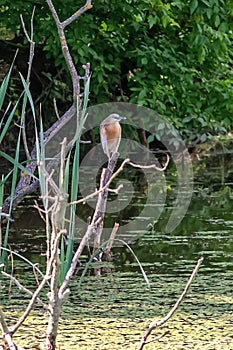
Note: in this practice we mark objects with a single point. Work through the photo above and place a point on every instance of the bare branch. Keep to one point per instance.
(126, 161)
(157, 338)
(78, 13)
(31, 55)
(32, 44)
(32, 301)
(25, 186)
(20, 286)
(6, 336)
(111, 238)
(69, 61)
(3, 322)
(95, 224)
(157, 324)
(116, 190)
(179, 300)
(152, 166)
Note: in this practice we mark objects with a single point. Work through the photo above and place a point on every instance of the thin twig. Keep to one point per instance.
(6, 333)
(32, 301)
(116, 190)
(20, 286)
(152, 166)
(111, 238)
(126, 161)
(40, 287)
(78, 13)
(32, 43)
(56, 109)
(3, 322)
(31, 55)
(157, 338)
(66, 53)
(157, 324)
(179, 300)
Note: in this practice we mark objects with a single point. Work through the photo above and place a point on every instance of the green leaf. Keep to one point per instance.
(150, 138)
(9, 119)
(5, 83)
(224, 27)
(152, 20)
(28, 93)
(20, 166)
(161, 126)
(193, 6)
(144, 60)
(217, 21)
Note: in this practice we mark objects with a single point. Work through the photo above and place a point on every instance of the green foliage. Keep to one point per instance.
(73, 180)
(7, 119)
(13, 174)
(172, 56)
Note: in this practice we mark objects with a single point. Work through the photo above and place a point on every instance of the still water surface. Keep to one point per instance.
(112, 311)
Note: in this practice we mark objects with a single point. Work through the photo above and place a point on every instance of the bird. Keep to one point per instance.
(110, 134)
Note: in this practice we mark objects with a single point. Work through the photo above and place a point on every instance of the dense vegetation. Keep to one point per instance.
(172, 56)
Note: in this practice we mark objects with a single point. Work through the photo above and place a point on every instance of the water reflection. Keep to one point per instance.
(206, 230)
(120, 300)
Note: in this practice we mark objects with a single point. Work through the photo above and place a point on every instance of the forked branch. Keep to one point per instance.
(69, 61)
(158, 324)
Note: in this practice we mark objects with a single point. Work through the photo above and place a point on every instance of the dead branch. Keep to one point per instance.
(151, 166)
(26, 185)
(6, 336)
(94, 226)
(32, 43)
(126, 161)
(31, 55)
(66, 53)
(107, 250)
(158, 324)
(24, 289)
(31, 302)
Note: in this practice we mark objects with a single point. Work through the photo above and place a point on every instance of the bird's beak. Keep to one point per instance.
(121, 118)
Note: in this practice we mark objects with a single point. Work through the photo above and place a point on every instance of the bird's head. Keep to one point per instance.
(112, 118)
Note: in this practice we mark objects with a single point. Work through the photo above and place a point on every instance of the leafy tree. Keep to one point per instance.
(172, 56)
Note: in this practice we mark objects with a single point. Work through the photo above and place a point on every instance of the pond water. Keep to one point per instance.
(112, 311)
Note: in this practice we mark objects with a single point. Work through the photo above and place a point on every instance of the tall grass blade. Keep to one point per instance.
(85, 100)
(35, 266)
(19, 165)
(40, 147)
(62, 261)
(139, 264)
(5, 83)
(74, 178)
(1, 202)
(73, 197)
(5, 114)
(67, 253)
(88, 265)
(96, 253)
(8, 121)
(28, 93)
(13, 186)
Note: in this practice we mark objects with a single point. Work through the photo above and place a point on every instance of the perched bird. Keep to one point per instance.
(110, 134)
